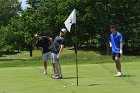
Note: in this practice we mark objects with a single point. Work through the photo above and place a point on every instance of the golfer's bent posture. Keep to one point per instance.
(115, 42)
(56, 50)
(44, 42)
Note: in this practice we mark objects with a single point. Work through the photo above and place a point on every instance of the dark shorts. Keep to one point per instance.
(115, 55)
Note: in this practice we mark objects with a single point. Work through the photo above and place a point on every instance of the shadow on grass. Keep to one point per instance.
(10, 59)
(128, 75)
(71, 77)
(94, 84)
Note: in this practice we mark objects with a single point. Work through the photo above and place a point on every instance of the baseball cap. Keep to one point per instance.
(63, 30)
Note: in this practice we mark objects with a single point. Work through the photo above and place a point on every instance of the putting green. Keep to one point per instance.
(93, 78)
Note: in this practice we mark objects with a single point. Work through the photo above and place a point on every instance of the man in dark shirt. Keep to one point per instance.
(56, 50)
(44, 43)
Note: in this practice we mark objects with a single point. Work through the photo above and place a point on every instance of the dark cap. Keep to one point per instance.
(112, 26)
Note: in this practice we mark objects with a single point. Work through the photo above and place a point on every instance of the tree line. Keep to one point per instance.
(93, 17)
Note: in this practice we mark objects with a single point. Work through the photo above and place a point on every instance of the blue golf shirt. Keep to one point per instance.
(115, 40)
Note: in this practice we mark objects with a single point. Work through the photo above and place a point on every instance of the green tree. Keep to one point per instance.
(93, 20)
(8, 9)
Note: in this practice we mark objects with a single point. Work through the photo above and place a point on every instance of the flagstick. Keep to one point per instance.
(68, 23)
(77, 67)
(76, 60)
(76, 47)
(76, 55)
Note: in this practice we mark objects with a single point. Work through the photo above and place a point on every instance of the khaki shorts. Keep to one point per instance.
(54, 58)
(46, 56)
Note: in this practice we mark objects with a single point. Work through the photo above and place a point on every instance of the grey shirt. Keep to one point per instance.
(58, 41)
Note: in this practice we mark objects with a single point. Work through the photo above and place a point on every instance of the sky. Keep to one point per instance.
(24, 5)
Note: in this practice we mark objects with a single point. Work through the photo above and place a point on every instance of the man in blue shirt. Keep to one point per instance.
(115, 42)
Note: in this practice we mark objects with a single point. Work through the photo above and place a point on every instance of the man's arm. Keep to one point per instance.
(110, 44)
(50, 41)
(60, 51)
(37, 45)
(121, 46)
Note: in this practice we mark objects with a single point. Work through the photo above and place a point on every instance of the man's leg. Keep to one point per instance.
(58, 69)
(45, 67)
(56, 66)
(54, 69)
(45, 63)
(118, 64)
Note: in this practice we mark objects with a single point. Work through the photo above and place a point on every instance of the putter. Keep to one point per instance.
(125, 65)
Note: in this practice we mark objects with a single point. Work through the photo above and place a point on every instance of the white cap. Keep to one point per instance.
(36, 35)
(63, 30)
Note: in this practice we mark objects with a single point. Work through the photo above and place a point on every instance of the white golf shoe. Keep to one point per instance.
(119, 74)
(45, 72)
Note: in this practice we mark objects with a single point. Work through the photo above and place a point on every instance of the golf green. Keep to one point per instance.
(93, 78)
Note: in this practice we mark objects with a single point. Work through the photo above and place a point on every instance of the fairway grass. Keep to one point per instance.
(93, 78)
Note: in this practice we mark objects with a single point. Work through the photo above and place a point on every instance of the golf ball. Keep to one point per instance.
(64, 86)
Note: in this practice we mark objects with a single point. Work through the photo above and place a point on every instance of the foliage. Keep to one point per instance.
(92, 28)
(8, 9)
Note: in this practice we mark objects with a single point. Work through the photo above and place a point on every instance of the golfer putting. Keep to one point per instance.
(56, 50)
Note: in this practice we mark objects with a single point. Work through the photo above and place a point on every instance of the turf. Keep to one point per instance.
(20, 73)
(93, 78)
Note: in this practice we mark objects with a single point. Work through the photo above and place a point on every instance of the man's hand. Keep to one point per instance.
(110, 44)
(121, 52)
(58, 56)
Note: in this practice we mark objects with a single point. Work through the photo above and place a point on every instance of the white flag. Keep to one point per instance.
(70, 20)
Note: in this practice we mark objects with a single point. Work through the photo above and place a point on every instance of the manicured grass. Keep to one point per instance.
(20, 73)
(93, 78)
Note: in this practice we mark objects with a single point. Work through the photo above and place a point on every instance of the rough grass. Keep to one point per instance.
(67, 58)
